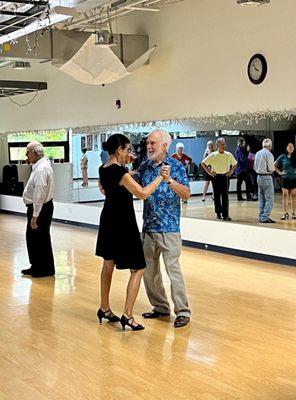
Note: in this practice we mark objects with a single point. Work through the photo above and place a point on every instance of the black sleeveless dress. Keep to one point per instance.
(119, 237)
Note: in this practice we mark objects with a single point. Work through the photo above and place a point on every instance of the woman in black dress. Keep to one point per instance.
(119, 241)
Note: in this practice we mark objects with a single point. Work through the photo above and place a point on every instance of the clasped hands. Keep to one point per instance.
(165, 172)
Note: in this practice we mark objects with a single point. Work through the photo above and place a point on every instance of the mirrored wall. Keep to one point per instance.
(76, 157)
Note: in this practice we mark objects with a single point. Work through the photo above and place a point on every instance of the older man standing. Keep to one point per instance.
(38, 195)
(264, 166)
(161, 229)
(222, 165)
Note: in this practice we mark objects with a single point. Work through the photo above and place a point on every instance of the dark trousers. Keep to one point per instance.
(253, 177)
(220, 186)
(243, 176)
(38, 240)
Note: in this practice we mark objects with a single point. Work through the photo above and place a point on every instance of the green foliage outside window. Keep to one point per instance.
(19, 153)
(55, 135)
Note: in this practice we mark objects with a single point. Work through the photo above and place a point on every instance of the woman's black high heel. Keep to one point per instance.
(107, 315)
(129, 322)
(285, 216)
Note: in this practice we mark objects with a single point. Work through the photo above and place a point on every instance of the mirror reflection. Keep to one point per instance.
(76, 158)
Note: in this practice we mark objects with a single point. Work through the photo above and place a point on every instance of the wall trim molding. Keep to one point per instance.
(240, 253)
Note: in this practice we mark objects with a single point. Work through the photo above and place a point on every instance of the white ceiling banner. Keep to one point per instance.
(97, 65)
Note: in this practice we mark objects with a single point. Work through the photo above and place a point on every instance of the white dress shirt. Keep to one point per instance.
(40, 186)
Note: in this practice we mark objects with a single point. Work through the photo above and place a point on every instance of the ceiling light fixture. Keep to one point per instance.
(252, 2)
(105, 38)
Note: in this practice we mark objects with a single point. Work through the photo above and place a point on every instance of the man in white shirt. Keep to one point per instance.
(38, 195)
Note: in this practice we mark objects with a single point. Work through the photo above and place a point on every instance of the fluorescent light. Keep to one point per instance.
(252, 2)
(66, 13)
(132, 8)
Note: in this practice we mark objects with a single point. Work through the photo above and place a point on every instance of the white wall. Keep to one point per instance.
(198, 69)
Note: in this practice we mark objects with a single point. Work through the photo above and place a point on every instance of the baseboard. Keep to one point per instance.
(240, 253)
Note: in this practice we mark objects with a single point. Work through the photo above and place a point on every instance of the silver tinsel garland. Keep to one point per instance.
(218, 122)
(215, 121)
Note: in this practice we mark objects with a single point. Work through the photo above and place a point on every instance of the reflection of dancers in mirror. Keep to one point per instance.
(221, 165)
(183, 158)
(241, 155)
(252, 173)
(207, 177)
(119, 241)
(285, 166)
(180, 156)
(83, 166)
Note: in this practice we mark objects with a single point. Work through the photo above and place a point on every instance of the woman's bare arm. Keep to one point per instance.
(137, 190)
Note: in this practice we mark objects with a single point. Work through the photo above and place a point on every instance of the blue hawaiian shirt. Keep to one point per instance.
(162, 209)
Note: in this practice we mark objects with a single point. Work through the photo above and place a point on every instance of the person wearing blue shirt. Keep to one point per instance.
(161, 228)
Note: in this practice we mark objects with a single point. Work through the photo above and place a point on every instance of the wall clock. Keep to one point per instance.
(257, 69)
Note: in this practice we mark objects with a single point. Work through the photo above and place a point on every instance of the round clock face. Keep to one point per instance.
(257, 69)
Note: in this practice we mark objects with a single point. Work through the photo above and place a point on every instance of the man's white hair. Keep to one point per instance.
(179, 146)
(165, 137)
(267, 143)
(37, 148)
(220, 140)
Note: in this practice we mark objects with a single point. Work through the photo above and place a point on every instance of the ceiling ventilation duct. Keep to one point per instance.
(78, 55)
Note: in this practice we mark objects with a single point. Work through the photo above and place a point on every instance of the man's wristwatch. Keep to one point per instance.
(169, 181)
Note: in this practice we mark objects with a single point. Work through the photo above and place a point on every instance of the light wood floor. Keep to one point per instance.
(239, 345)
(243, 212)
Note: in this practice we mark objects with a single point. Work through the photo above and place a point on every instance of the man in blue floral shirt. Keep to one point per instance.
(161, 229)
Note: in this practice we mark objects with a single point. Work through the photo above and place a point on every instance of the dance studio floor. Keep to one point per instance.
(244, 212)
(239, 345)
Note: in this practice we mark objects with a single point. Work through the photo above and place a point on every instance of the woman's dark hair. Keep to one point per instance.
(114, 142)
(293, 155)
(240, 141)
